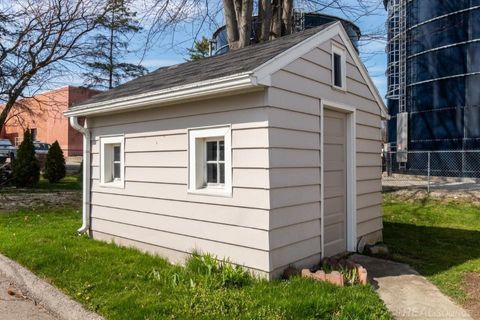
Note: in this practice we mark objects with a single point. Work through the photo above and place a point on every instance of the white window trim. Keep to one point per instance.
(206, 133)
(118, 183)
(342, 52)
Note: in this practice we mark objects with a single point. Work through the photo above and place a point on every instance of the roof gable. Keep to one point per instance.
(263, 73)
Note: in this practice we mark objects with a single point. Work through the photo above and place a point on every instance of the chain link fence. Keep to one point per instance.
(451, 170)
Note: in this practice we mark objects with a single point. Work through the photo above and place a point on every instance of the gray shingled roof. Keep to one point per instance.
(230, 63)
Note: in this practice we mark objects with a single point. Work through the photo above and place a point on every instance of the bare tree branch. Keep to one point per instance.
(38, 39)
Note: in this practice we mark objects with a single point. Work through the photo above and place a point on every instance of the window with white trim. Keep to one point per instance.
(210, 161)
(112, 161)
(215, 161)
(339, 77)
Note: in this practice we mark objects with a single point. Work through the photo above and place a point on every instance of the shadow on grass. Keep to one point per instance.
(429, 249)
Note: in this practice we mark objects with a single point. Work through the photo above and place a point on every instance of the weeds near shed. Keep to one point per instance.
(218, 273)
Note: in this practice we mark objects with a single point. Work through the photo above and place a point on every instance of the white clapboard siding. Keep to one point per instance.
(242, 236)
(242, 197)
(239, 216)
(287, 255)
(254, 258)
(291, 177)
(155, 209)
(236, 118)
(287, 235)
(292, 215)
(295, 97)
(294, 139)
(187, 110)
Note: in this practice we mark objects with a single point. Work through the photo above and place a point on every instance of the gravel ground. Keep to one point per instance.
(472, 196)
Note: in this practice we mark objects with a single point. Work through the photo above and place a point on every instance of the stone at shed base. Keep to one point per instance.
(306, 273)
(335, 278)
(377, 249)
(362, 275)
(319, 275)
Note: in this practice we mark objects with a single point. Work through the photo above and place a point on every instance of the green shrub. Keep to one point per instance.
(26, 169)
(55, 164)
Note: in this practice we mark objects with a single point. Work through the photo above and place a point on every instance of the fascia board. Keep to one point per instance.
(202, 89)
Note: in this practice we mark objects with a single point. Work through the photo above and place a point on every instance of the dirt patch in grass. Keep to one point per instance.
(26, 200)
(446, 196)
(471, 285)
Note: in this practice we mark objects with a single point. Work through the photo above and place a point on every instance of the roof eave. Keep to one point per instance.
(203, 89)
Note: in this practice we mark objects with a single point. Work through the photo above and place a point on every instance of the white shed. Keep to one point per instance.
(267, 155)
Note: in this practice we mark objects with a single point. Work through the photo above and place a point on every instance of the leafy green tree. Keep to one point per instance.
(200, 50)
(26, 169)
(106, 68)
(55, 164)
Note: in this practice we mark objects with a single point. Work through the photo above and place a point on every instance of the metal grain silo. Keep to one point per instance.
(434, 74)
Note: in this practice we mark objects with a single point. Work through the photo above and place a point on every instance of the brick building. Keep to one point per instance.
(43, 115)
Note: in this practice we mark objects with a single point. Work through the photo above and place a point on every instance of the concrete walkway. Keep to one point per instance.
(407, 294)
(23, 284)
(13, 305)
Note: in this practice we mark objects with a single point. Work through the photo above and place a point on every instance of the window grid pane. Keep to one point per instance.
(116, 170)
(221, 172)
(215, 162)
(212, 174)
(212, 150)
(337, 72)
(221, 150)
(116, 153)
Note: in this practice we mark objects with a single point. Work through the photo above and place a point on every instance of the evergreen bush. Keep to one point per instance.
(26, 168)
(55, 164)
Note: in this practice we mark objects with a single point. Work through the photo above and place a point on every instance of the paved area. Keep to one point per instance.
(72, 164)
(17, 307)
(13, 305)
(407, 294)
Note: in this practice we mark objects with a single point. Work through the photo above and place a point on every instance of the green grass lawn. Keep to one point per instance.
(122, 283)
(69, 183)
(440, 240)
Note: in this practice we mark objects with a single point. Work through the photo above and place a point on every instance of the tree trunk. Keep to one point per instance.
(238, 12)
(245, 23)
(110, 54)
(287, 17)
(264, 20)
(231, 23)
(276, 30)
(7, 108)
(4, 115)
(274, 20)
